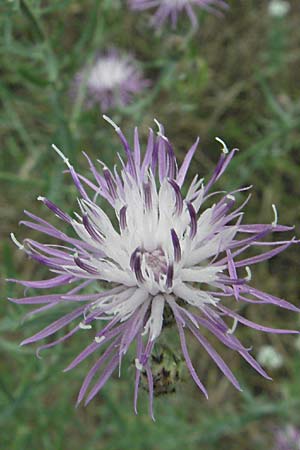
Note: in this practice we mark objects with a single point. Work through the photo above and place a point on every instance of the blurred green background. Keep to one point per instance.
(236, 78)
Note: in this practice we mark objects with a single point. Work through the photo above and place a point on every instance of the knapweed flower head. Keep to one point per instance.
(170, 254)
(269, 357)
(111, 80)
(171, 9)
(279, 8)
(287, 438)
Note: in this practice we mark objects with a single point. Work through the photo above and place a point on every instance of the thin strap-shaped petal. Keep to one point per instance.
(216, 357)
(139, 351)
(232, 273)
(271, 299)
(254, 325)
(59, 280)
(186, 163)
(111, 366)
(150, 388)
(38, 310)
(250, 360)
(185, 350)
(55, 326)
(86, 382)
(220, 168)
(38, 299)
(188, 360)
(57, 341)
(263, 256)
(89, 349)
(258, 228)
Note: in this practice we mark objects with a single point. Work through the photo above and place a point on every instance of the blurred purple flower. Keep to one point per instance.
(170, 252)
(112, 80)
(172, 8)
(287, 438)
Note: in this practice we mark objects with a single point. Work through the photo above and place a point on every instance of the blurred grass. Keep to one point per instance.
(236, 78)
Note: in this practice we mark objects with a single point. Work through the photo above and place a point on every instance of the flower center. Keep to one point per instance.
(175, 3)
(157, 262)
(152, 264)
(108, 73)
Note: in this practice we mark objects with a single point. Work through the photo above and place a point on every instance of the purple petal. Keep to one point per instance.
(264, 256)
(139, 350)
(178, 197)
(123, 222)
(216, 357)
(60, 280)
(186, 163)
(254, 325)
(150, 387)
(111, 366)
(108, 352)
(193, 223)
(55, 326)
(176, 245)
(185, 350)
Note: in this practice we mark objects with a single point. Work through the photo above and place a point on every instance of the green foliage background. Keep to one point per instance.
(237, 78)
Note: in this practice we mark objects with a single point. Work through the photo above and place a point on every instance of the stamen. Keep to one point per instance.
(138, 364)
(275, 221)
(85, 326)
(234, 326)
(160, 130)
(249, 274)
(159, 127)
(225, 148)
(16, 242)
(63, 157)
(99, 339)
(111, 122)
(231, 197)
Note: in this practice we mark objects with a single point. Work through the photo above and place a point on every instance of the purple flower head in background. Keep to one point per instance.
(170, 253)
(111, 80)
(172, 8)
(287, 438)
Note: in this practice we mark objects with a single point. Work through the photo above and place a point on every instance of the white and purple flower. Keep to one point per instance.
(171, 9)
(170, 254)
(111, 81)
(287, 438)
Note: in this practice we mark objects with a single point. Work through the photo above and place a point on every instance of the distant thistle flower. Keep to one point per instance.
(168, 254)
(269, 357)
(279, 8)
(111, 80)
(172, 9)
(287, 438)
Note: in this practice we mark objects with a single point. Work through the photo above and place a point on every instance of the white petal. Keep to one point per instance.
(126, 309)
(201, 274)
(193, 296)
(214, 246)
(155, 321)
